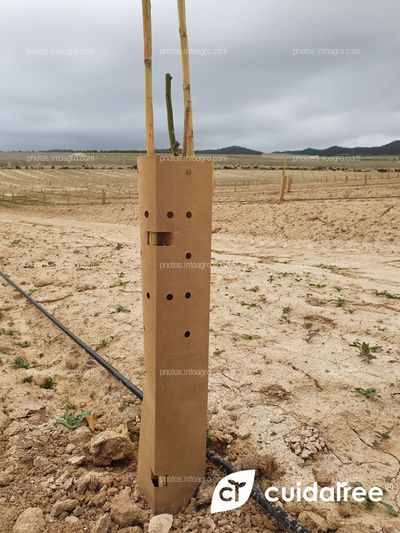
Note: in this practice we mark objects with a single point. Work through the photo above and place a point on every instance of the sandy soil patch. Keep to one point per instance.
(295, 287)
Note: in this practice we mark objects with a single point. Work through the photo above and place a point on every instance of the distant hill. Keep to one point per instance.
(231, 150)
(391, 149)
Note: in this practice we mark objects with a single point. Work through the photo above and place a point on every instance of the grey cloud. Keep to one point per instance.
(259, 94)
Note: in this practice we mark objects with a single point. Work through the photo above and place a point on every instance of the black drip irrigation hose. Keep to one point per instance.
(113, 371)
(280, 515)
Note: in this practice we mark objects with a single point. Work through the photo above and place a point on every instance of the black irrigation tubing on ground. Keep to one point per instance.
(113, 371)
(280, 515)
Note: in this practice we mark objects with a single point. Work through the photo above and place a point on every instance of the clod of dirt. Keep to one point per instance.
(42, 463)
(72, 360)
(43, 282)
(77, 460)
(27, 409)
(30, 521)
(208, 524)
(73, 520)
(6, 479)
(277, 419)
(92, 481)
(333, 520)
(86, 287)
(70, 448)
(265, 464)
(80, 436)
(3, 420)
(306, 443)
(161, 523)
(110, 446)
(40, 380)
(124, 511)
(102, 525)
(275, 391)
(313, 522)
(64, 506)
(325, 477)
(248, 458)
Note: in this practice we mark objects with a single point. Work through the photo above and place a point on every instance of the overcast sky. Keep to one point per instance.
(259, 93)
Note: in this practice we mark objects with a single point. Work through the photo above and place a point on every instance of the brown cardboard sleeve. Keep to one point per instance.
(175, 205)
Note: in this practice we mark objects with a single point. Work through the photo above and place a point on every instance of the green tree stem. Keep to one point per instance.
(170, 114)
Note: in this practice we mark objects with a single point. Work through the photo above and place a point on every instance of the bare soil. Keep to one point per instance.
(294, 286)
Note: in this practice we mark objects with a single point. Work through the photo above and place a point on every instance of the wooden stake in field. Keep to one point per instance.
(188, 136)
(283, 185)
(148, 64)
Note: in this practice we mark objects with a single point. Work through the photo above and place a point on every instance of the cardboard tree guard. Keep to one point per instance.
(175, 207)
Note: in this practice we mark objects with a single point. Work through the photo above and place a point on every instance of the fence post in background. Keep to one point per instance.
(289, 184)
(366, 179)
(283, 186)
(103, 197)
(44, 198)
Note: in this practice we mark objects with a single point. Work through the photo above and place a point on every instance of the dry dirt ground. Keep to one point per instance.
(295, 287)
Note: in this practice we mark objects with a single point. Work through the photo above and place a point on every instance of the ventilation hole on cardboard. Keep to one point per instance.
(188, 295)
(188, 255)
(146, 214)
(170, 297)
(148, 296)
(189, 214)
(187, 334)
(170, 214)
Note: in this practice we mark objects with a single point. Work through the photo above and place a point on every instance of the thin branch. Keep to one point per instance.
(147, 37)
(188, 133)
